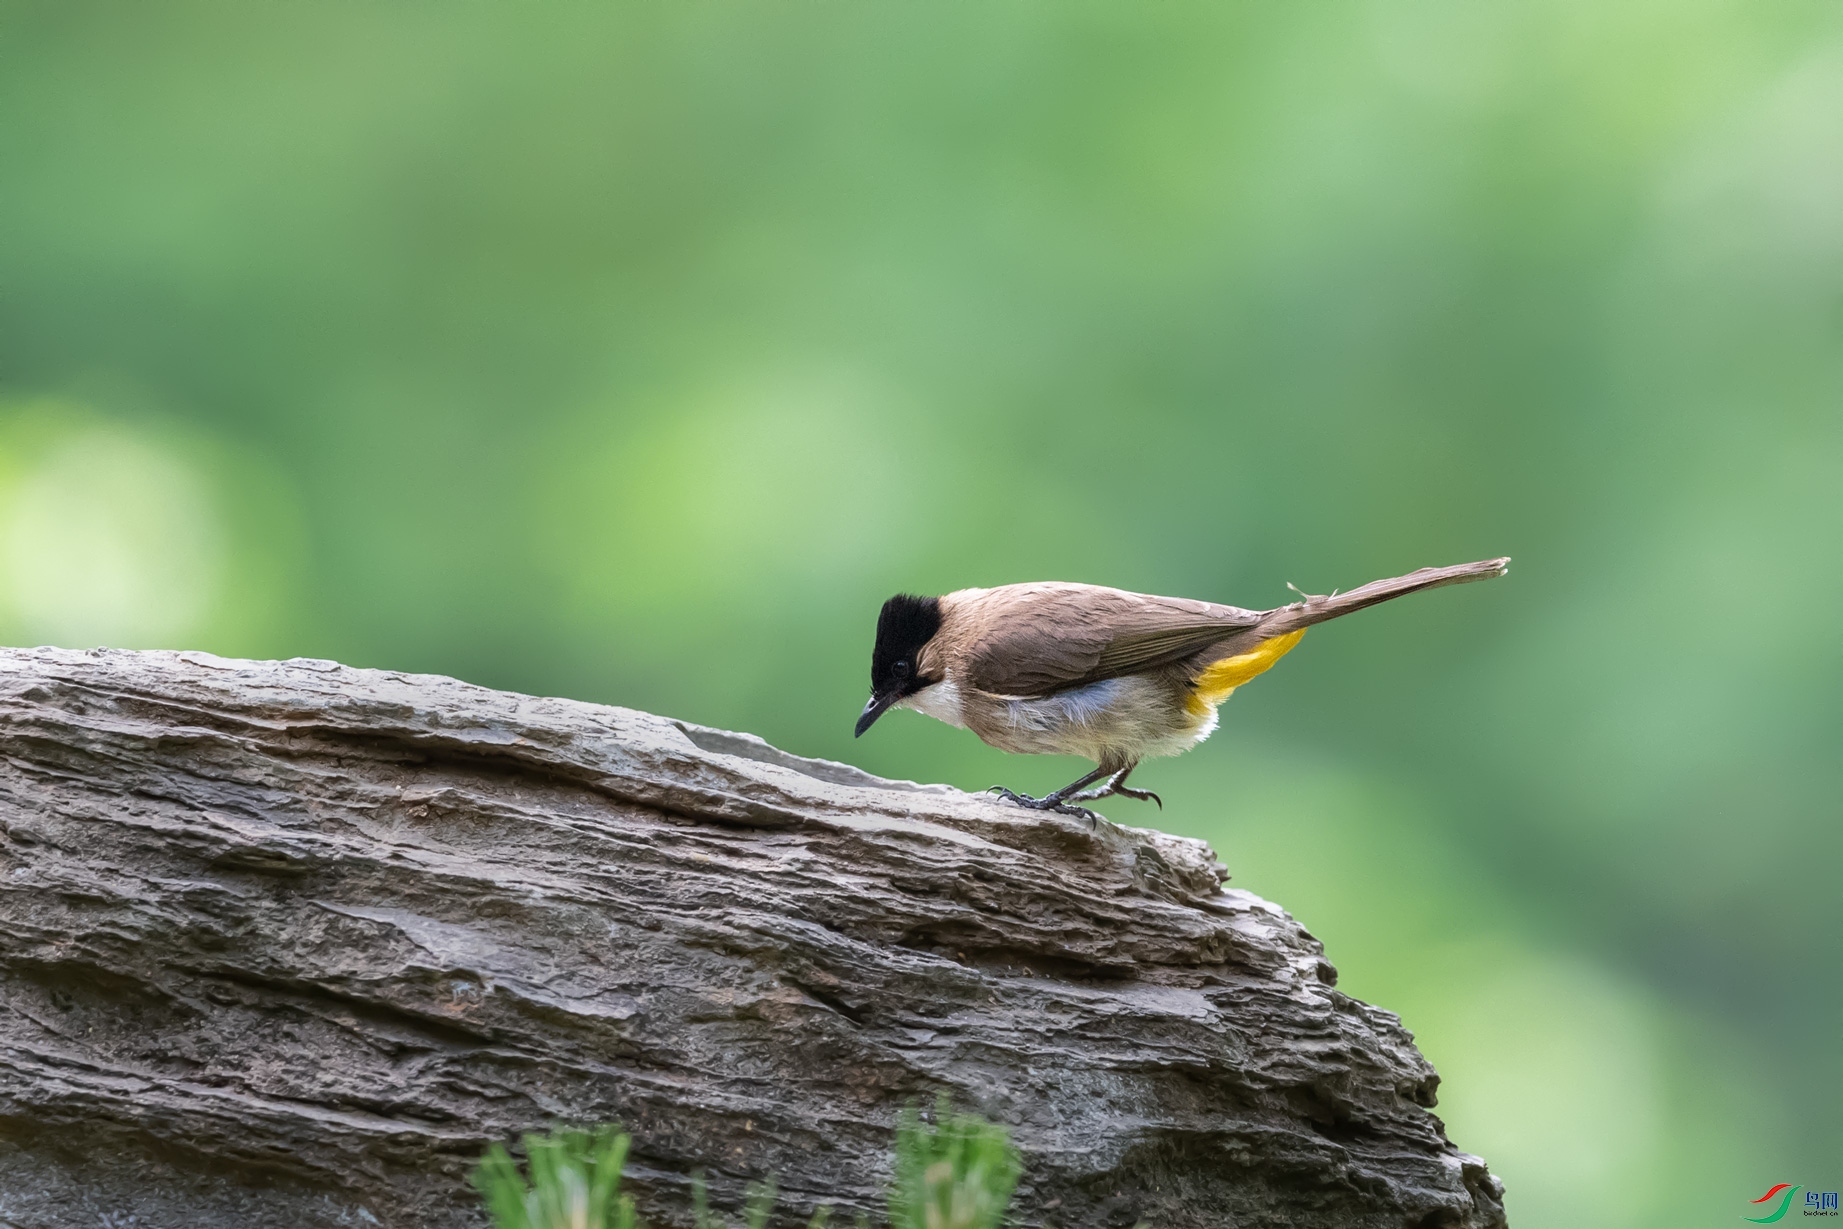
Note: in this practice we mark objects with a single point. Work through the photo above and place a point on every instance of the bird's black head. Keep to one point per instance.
(906, 624)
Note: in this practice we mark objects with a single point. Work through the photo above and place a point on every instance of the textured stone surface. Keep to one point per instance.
(287, 943)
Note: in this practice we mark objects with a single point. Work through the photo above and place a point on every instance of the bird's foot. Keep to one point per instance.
(1049, 802)
(1113, 789)
(1143, 795)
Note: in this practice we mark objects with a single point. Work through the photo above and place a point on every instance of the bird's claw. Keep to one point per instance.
(1043, 804)
(1119, 791)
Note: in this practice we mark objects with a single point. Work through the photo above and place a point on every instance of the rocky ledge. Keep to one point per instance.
(287, 943)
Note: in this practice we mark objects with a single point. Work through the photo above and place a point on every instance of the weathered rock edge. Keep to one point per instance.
(286, 942)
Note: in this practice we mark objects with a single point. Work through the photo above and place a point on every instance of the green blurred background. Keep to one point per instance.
(636, 354)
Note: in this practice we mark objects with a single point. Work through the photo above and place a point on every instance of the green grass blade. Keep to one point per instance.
(758, 1204)
(958, 1172)
(498, 1180)
(575, 1179)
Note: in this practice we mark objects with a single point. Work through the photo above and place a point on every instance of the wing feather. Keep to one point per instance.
(1149, 650)
(1036, 640)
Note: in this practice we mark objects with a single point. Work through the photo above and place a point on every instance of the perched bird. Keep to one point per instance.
(1062, 669)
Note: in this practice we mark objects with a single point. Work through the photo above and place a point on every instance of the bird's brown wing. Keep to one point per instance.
(1035, 640)
(1138, 651)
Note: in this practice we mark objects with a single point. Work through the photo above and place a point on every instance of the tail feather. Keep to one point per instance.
(1317, 608)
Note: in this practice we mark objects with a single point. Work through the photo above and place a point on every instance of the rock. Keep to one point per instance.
(287, 943)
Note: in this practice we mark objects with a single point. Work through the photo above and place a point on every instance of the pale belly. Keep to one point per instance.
(1115, 721)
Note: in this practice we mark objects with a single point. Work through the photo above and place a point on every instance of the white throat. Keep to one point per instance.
(940, 701)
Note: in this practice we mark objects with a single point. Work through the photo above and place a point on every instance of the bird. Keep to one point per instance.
(1053, 668)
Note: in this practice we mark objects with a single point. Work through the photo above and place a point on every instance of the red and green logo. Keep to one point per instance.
(1783, 1193)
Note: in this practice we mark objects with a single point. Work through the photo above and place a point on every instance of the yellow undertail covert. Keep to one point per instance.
(1219, 679)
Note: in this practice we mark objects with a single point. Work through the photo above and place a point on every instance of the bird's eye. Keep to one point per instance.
(900, 669)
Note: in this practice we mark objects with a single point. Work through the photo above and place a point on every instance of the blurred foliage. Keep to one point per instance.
(636, 353)
(575, 1182)
(956, 1172)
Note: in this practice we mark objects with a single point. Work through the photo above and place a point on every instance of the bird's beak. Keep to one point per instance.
(876, 708)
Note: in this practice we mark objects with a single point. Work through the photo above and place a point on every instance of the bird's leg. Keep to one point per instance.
(1116, 785)
(1056, 801)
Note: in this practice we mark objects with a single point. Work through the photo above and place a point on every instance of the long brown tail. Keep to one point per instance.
(1317, 609)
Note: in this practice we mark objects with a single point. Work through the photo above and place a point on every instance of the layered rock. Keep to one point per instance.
(288, 943)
